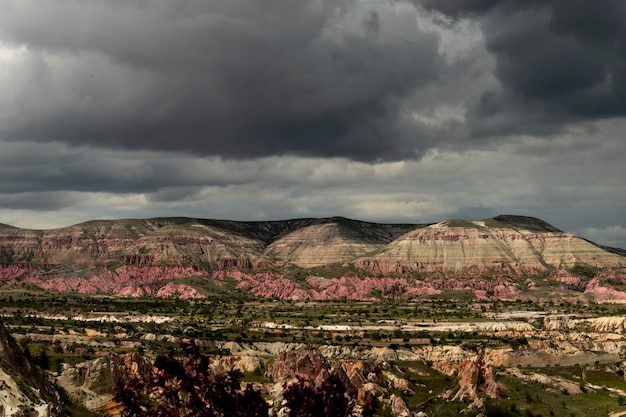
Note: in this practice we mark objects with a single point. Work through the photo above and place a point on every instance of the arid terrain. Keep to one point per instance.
(502, 316)
(507, 257)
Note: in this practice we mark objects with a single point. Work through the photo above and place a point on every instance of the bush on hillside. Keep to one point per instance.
(187, 388)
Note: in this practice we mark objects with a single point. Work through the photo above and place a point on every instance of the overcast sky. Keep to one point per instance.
(381, 110)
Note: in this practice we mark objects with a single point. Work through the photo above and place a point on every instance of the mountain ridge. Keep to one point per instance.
(260, 227)
(136, 257)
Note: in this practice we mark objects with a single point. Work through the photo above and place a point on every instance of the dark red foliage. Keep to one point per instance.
(328, 399)
(187, 388)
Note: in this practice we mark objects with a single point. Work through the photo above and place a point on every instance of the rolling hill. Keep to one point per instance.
(308, 258)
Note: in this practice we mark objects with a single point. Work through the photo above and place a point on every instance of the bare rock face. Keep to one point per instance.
(602, 292)
(15, 400)
(143, 280)
(361, 373)
(92, 383)
(446, 354)
(615, 324)
(366, 377)
(301, 363)
(399, 407)
(245, 363)
(474, 376)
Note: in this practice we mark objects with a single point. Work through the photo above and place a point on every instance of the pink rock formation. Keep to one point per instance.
(364, 376)
(567, 278)
(172, 290)
(602, 292)
(301, 363)
(349, 287)
(107, 281)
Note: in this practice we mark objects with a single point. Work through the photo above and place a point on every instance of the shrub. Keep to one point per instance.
(186, 388)
(329, 399)
(495, 408)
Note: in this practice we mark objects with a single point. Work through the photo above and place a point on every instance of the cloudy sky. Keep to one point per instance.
(380, 110)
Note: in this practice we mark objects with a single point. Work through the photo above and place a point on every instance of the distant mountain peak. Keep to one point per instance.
(526, 222)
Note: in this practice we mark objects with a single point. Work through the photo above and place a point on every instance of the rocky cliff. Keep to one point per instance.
(92, 383)
(302, 258)
(24, 391)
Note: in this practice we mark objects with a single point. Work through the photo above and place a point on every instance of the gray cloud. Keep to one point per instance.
(460, 8)
(559, 62)
(37, 202)
(614, 236)
(372, 22)
(233, 78)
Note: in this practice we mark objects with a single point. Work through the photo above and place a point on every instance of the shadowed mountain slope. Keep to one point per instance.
(337, 240)
(527, 223)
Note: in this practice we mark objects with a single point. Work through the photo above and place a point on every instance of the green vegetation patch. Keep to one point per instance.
(603, 377)
(527, 398)
(584, 271)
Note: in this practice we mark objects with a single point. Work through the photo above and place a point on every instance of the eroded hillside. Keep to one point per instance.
(507, 256)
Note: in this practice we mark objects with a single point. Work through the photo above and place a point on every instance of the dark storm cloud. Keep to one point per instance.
(38, 201)
(28, 167)
(234, 78)
(458, 8)
(558, 61)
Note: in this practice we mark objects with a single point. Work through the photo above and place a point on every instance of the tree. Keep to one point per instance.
(187, 388)
(328, 399)
(27, 353)
(44, 361)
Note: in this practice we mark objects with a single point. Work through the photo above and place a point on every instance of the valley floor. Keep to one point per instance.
(438, 357)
